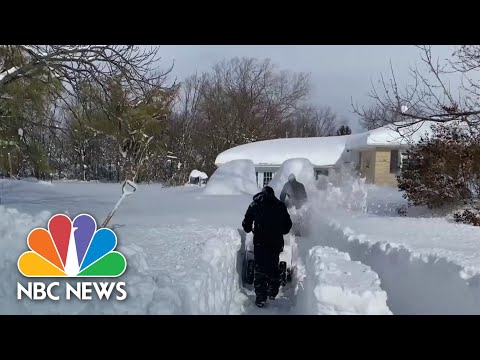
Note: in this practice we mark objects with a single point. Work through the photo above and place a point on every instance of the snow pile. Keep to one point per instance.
(426, 265)
(233, 178)
(301, 168)
(341, 189)
(14, 229)
(198, 174)
(338, 285)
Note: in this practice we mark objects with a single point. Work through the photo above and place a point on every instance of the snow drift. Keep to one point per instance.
(233, 178)
(301, 168)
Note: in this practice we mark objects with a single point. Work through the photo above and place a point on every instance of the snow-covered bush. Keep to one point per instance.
(442, 170)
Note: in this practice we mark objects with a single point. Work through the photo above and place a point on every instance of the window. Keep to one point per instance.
(267, 177)
(320, 172)
(394, 161)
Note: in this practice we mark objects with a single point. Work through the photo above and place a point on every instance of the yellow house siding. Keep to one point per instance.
(367, 165)
(382, 168)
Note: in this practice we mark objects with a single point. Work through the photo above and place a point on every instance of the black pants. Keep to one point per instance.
(267, 273)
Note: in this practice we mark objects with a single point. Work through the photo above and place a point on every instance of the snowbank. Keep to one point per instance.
(233, 178)
(337, 285)
(171, 270)
(14, 229)
(301, 168)
(426, 266)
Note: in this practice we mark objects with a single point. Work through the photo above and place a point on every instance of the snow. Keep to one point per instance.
(184, 248)
(200, 174)
(426, 265)
(301, 168)
(20, 132)
(341, 286)
(233, 178)
(320, 151)
(327, 151)
(8, 72)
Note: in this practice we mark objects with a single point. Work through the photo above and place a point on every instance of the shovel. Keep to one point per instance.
(128, 188)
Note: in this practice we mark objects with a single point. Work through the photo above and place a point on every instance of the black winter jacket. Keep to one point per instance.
(271, 219)
(297, 196)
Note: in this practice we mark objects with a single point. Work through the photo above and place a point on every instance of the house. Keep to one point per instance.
(376, 154)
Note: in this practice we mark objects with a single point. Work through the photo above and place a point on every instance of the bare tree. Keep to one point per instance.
(428, 96)
(76, 63)
(245, 100)
(310, 121)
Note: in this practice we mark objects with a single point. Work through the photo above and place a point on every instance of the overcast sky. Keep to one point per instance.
(337, 73)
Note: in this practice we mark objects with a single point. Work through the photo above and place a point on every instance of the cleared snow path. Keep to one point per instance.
(325, 282)
(418, 277)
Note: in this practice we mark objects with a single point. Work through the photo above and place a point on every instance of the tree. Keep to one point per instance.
(244, 100)
(310, 121)
(133, 125)
(71, 64)
(428, 96)
(344, 130)
(443, 169)
(26, 114)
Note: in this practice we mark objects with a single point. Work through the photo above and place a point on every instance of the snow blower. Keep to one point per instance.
(248, 266)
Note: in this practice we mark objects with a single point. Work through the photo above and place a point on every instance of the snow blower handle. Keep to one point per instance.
(128, 188)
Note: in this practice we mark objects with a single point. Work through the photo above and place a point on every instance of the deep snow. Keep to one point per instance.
(184, 250)
(301, 168)
(233, 178)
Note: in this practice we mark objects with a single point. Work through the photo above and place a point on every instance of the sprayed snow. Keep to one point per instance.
(200, 174)
(341, 189)
(233, 178)
(301, 168)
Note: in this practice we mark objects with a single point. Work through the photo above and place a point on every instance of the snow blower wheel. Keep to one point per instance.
(250, 275)
(283, 273)
(289, 275)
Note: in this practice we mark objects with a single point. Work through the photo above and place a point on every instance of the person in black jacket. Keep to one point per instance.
(272, 221)
(293, 193)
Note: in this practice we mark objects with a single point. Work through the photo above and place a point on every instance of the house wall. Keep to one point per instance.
(382, 174)
(367, 165)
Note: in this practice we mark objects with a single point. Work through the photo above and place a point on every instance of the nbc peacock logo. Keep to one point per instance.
(72, 249)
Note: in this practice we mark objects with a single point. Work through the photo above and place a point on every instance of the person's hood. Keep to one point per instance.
(265, 195)
(292, 178)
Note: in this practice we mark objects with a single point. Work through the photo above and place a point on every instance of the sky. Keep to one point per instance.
(338, 73)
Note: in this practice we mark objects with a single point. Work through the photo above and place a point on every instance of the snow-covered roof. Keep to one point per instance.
(200, 174)
(393, 135)
(320, 151)
(323, 151)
